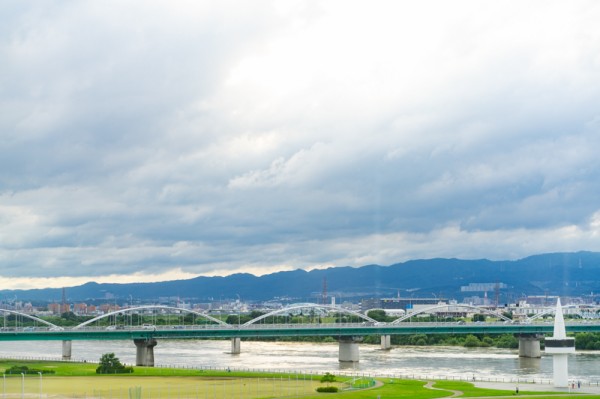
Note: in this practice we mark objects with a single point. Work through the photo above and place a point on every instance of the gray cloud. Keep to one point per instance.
(218, 137)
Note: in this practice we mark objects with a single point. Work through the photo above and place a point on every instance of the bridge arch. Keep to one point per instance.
(552, 310)
(310, 306)
(147, 307)
(387, 311)
(426, 310)
(51, 325)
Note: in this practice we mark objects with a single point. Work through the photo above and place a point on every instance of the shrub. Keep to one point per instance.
(327, 389)
(26, 370)
(472, 341)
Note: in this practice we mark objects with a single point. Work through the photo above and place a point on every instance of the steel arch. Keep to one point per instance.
(409, 315)
(149, 307)
(32, 318)
(310, 306)
(552, 310)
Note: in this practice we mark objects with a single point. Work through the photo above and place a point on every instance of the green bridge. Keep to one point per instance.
(349, 335)
(287, 330)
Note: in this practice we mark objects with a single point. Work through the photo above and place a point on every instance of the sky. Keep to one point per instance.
(148, 140)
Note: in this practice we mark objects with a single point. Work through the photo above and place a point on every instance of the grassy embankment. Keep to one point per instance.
(79, 380)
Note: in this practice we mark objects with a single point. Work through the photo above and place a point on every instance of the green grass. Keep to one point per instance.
(391, 388)
(79, 380)
(470, 391)
(89, 369)
(60, 368)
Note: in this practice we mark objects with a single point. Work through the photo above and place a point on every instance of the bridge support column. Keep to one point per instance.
(348, 352)
(529, 345)
(236, 346)
(145, 352)
(386, 342)
(66, 350)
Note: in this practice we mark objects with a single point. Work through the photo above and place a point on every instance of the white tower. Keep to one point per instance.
(559, 346)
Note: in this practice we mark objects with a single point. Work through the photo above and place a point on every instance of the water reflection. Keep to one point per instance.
(529, 366)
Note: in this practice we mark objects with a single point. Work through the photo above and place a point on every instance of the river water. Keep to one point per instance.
(412, 362)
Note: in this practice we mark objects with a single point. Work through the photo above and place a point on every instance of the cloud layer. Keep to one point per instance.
(146, 140)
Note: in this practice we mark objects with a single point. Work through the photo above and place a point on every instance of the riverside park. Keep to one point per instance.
(58, 379)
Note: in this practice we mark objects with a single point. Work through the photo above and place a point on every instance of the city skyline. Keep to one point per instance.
(150, 141)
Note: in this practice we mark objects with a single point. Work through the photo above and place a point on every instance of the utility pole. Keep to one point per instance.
(497, 292)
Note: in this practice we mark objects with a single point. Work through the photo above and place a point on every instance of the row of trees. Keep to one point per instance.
(583, 341)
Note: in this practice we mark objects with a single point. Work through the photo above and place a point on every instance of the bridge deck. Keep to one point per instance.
(285, 330)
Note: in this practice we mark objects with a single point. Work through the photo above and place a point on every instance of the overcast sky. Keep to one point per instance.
(157, 140)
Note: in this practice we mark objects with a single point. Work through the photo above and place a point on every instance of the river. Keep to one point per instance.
(441, 362)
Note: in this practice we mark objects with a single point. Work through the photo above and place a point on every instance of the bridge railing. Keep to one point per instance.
(300, 326)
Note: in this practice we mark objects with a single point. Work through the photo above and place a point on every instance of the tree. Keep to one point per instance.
(110, 364)
(472, 341)
(478, 317)
(328, 377)
(377, 314)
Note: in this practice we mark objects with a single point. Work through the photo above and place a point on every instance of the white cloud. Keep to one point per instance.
(209, 138)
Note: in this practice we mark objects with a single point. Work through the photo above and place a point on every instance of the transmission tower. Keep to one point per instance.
(63, 306)
(497, 293)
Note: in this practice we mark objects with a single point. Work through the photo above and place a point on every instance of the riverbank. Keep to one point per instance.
(79, 380)
(452, 363)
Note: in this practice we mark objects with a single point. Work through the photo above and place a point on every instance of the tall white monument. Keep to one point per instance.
(559, 346)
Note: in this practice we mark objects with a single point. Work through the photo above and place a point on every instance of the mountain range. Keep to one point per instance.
(566, 274)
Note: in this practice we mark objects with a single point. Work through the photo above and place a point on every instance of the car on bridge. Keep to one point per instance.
(115, 327)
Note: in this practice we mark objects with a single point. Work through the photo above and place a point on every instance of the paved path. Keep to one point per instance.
(523, 387)
(538, 387)
(429, 385)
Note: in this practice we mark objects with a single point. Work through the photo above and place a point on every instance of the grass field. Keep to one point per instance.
(159, 387)
(79, 380)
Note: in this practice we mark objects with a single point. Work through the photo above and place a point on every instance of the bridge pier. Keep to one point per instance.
(144, 352)
(529, 345)
(236, 346)
(66, 350)
(348, 350)
(386, 342)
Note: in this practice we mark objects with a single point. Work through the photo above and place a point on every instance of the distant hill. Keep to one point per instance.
(569, 274)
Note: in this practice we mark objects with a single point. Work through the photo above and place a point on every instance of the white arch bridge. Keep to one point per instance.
(147, 324)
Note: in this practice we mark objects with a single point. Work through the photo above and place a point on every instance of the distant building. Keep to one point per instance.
(202, 306)
(54, 308)
(406, 304)
(482, 287)
(107, 308)
(80, 309)
(65, 308)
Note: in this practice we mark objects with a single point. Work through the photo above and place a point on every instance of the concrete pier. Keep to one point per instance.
(236, 346)
(529, 345)
(66, 350)
(145, 352)
(348, 352)
(386, 342)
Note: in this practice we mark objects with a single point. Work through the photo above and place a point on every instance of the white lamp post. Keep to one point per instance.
(40, 373)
